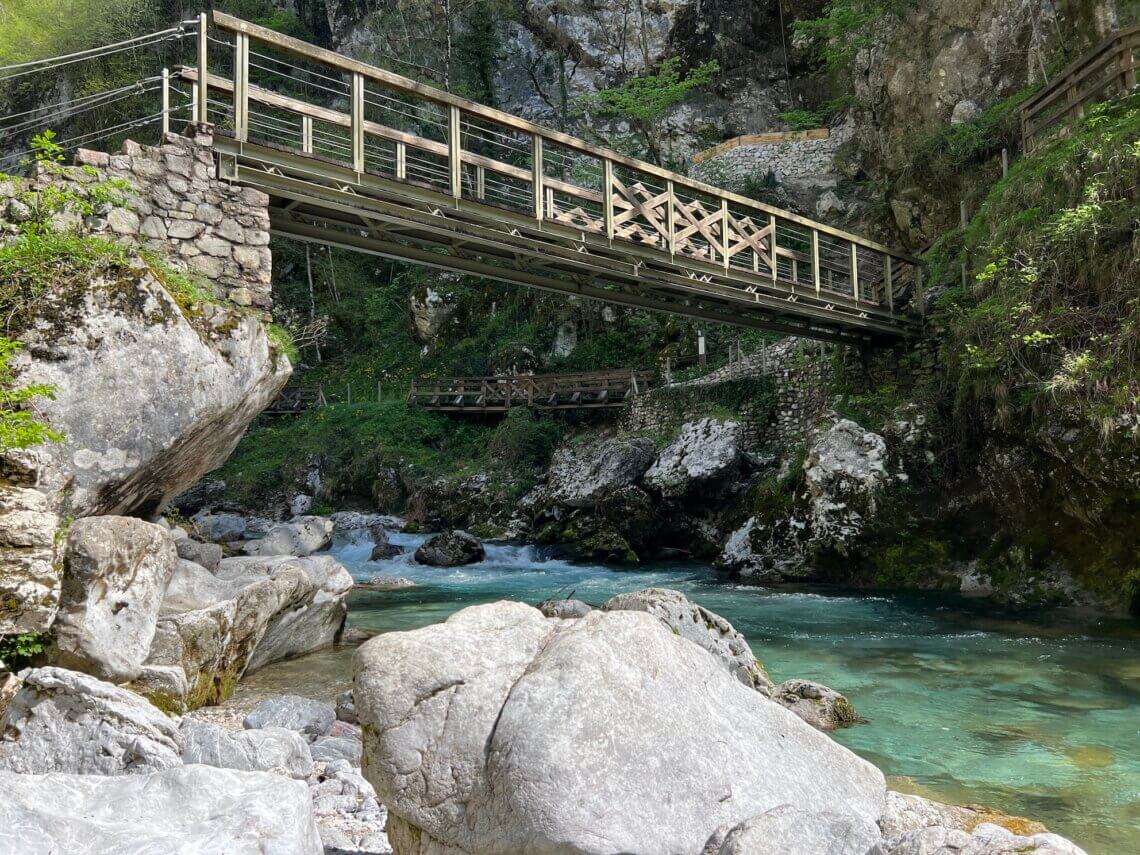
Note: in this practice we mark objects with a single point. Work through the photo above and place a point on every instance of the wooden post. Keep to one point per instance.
(963, 218)
(480, 183)
(307, 134)
(536, 176)
(202, 89)
(855, 272)
(608, 197)
(701, 348)
(919, 294)
(379, 392)
(357, 122)
(815, 259)
(165, 102)
(401, 161)
(671, 216)
(724, 237)
(888, 282)
(348, 389)
(772, 246)
(241, 87)
(454, 153)
(1004, 162)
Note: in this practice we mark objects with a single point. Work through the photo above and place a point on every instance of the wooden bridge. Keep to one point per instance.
(358, 157)
(597, 390)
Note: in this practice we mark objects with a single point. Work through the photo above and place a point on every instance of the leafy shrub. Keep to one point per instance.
(801, 120)
(523, 439)
(17, 651)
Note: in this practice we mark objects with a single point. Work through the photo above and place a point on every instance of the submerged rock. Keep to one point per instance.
(706, 451)
(697, 624)
(818, 705)
(477, 738)
(65, 721)
(386, 583)
(115, 572)
(450, 549)
(188, 810)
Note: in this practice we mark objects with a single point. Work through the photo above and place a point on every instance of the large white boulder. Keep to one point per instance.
(246, 750)
(706, 451)
(581, 474)
(65, 721)
(697, 624)
(115, 570)
(188, 810)
(844, 471)
(29, 579)
(503, 730)
(148, 394)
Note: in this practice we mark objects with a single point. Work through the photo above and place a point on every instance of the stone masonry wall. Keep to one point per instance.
(201, 224)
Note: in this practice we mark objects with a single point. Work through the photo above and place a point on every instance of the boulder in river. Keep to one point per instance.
(186, 810)
(65, 721)
(115, 572)
(818, 705)
(300, 537)
(477, 738)
(450, 549)
(706, 451)
(845, 469)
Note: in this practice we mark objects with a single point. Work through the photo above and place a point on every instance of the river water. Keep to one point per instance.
(1035, 716)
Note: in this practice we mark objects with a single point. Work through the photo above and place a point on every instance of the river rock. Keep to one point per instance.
(213, 643)
(985, 839)
(115, 572)
(345, 708)
(786, 830)
(384, 551)
(149, 397)
(844, 471)
(387, 583)
(706, 451)
(697, 624)
(65, 721)
(337, 748)
(247, 750)
(304, 715)
(581, 474)
(477, 738)
(819, 706)
(304, 625)
(564, 608)
(222, 527)
(30, 581)
(206, 554)
(187, 810)
(450, 549)
(300, 537)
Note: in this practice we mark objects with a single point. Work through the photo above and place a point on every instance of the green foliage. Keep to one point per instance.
(909, 562)
(802, 120)
(1051, 322)
(19, 427)
(642, 100)
(523, 439)
(845, 28)
(282, 339)
(17, 651)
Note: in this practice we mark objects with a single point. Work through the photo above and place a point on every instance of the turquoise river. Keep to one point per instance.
(1037, 716)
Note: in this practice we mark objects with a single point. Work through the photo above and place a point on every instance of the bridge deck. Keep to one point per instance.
(414, 173)
(587, 391)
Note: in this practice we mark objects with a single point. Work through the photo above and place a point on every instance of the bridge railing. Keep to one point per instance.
(384, 124)
(587, 390)
(1107, 71)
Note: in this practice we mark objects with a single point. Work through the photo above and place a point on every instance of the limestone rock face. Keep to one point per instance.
(29, 577)
(187, 810)
(300, 537)
(477, 739)
(707, 450)
(115, 572)
(450, 549)
(431, 310)
(106, 352)
(821, 707)
(64, 721)
(844, 470)
(697, 624)
(580, 475)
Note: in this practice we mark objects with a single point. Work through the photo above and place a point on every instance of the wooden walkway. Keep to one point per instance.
(414, 173)
(599, 390)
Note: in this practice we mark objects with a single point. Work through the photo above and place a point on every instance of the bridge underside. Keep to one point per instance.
(321, 201)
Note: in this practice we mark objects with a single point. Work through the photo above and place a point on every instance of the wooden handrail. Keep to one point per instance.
(360, 70)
